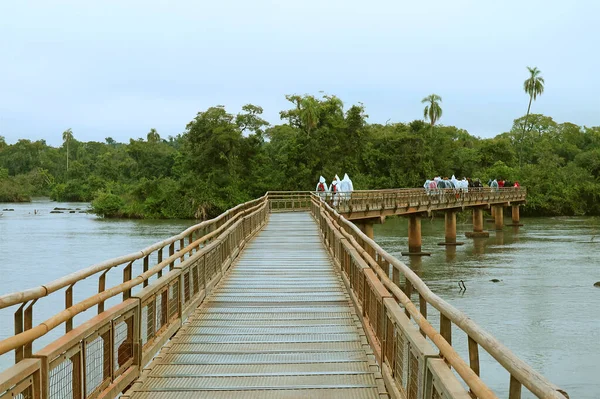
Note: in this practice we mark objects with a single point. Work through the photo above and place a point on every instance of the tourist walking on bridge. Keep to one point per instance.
(322, 188)
(334, 190)
(494, 185)
(346, 187)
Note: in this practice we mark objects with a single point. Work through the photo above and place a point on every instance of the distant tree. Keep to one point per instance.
(432, 111)
(309, 113)
(153, 136)
(110, 141)
(250, 119)
(67, 136)
(534, 87)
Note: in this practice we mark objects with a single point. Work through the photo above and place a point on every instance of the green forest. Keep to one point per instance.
(222, 159)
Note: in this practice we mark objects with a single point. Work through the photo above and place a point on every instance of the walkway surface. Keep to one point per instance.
(279, 325)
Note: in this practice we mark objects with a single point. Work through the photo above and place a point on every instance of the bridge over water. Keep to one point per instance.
(283, 296)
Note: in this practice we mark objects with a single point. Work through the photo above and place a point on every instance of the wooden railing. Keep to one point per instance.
(400, 201)
(102, 356)
(397, 327)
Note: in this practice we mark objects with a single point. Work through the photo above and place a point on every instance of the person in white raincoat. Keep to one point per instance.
(454, 181)
(494, 185)
(334, 190)
(322, 188)
(346, 187)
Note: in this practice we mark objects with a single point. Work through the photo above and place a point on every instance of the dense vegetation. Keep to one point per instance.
(222, 159)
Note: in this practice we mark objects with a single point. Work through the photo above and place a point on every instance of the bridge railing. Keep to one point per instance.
(286, 201)
(398, 199)
(398, 328)
(102, 356)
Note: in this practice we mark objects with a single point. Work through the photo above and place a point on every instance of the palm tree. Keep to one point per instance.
(309, 113)
(432, 110)
(67, 136)
(534, 86)
(153, 136)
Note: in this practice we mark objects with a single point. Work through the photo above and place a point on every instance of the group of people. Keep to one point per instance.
(463, 185)
(501, 183)
(338, 191)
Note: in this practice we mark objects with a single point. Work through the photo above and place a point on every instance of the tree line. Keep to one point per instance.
(222, 159)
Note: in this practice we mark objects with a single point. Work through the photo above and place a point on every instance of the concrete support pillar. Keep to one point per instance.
(515, 214)
(450, 229)
(477, 225)
(414, 236)
(477, 220)
(499, 216)
(492, 219)
(367, 228)
(414, 233)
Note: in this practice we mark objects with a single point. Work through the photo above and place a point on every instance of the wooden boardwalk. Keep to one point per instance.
(279, 324)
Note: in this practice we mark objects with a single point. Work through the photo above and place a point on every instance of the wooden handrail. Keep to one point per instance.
(530, 378)
(16, 298)
(462, 368)
(43, 328)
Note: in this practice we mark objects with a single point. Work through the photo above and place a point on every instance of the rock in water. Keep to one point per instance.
(495, 280)
(597, 284)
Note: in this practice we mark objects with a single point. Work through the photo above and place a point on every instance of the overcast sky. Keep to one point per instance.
(118, 68)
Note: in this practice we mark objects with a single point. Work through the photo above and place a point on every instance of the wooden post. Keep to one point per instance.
(181, 246)
(159, 259)
(68, 304)
(28, 349)
(474, 355)
(408, 290)
(101, 288)
(126, 277)
(514, 389)
(19, 330)
(77, 378)
(423, 310)
(446, 328)
(171, 253)
(145, 268)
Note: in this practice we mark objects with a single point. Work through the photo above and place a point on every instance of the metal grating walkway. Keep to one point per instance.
(279, 325)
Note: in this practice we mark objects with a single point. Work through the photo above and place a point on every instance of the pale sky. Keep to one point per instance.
(118, 68)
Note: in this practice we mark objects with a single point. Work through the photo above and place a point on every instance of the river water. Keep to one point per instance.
(545, 309)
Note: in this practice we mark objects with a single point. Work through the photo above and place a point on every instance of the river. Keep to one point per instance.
(545, 309)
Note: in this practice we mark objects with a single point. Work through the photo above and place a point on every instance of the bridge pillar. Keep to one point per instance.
(450, 229)
(367, 229)
(414, 236)
(499, 216)
(492, 218)
(477, 225)
(515, 214)
(366, 226)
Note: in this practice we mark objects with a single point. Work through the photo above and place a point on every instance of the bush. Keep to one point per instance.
(107, 205)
